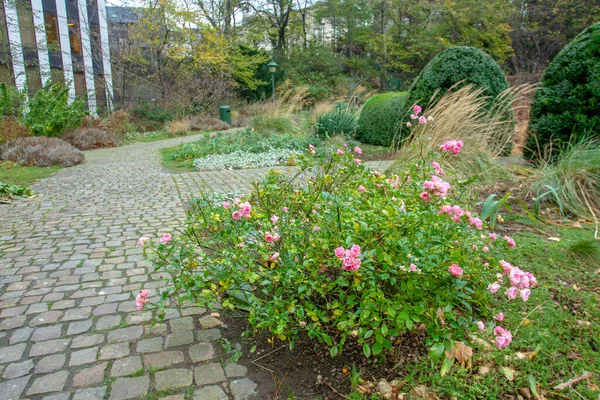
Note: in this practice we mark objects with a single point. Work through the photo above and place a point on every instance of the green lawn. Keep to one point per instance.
(560, 323)
(144, 137)
(16, 174)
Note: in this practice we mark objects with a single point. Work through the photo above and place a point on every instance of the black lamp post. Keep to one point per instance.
(272, 69)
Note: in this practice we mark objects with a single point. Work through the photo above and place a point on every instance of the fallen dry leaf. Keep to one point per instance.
(525, 392)
(509, 373)
(215, 315)
(528, 354)
(419, 391)
(484, 369)
(584, 323)
(576, 224)
(461, 352)
(554, 239)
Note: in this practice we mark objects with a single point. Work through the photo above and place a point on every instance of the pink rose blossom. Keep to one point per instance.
(340, 152)
(510, 241)
(166, 238)
(245, 209)
(241, 244)
(424, 196)
(503, 340)
(498, 330)
(430, 119)
(437, 186)
(355, 250)
(357, 161)
(285, 209)
(525, 294)
(414, 116)
(417, 109)
(274, 219)
(362, 188)
(408, 124)
(453, 146)
(438, 168)
(532, 280)
(236, 201)
(499, 317)
(141, 299)
(413, 268)
(302, 323)
(340, 252)
(485, 249)
(494, 287)
(271, 237)
(275, 256)
(506, 267)
(226, 205)
(493, 236)
(358, 150)
(478, 223)
(317, 228)
(236, 215)
(480, 326)
(511, 293)
(422, 120)
(455, 270)
(142, 241)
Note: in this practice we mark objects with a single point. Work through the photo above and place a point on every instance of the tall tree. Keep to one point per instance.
(277, 14)
(541, 28)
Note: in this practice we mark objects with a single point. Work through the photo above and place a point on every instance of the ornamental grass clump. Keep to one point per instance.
(347, 256)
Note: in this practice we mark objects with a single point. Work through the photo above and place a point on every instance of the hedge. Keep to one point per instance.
(467, 65)
(567, 105)
(380, 119)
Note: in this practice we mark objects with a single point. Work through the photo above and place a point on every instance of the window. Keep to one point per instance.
(51, 27)
(74, 38)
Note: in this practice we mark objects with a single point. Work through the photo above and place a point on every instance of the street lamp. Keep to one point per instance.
(272, 69)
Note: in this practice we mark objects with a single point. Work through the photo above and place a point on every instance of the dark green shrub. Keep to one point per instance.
(152, 112)
(567, 105)
(318, 93)
(380, 119)
(340, 121)
(467, 65)
(10, 100)
(50, 113)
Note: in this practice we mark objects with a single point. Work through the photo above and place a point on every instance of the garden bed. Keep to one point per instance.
(558, 339)
(308, 371)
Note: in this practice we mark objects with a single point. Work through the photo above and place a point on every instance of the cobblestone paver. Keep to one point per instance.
(69, 272)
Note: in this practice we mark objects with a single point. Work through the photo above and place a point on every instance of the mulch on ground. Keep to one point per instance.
(309, 372)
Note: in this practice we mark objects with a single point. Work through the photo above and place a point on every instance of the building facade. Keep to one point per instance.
(60, 40)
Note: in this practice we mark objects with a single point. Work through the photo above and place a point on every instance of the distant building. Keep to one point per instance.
(60, 39)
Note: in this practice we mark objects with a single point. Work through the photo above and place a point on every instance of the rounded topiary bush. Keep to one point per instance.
(458, 66)
(380, 118)
(567, 105)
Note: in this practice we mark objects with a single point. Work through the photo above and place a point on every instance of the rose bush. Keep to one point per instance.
(342, 253)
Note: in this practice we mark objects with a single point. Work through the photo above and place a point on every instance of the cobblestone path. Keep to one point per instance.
(69, 273)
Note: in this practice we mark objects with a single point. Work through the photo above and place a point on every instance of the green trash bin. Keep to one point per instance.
(225, 114)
